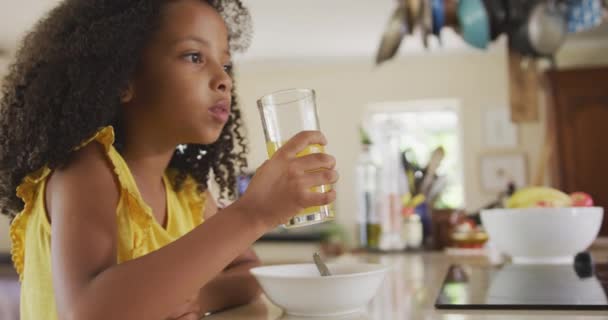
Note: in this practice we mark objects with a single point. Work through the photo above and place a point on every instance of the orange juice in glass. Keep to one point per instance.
(284, 114)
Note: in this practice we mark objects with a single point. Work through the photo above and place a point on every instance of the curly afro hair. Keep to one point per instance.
(67, 80)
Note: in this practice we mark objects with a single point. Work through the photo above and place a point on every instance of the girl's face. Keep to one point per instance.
(182, 86)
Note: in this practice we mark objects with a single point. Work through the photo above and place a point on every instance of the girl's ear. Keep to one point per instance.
(128, 94)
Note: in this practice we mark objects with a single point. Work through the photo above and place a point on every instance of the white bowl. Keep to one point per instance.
(301, 291)
(543, 235)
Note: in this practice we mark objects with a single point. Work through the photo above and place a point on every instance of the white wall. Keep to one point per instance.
(4, 236)
(344, 89)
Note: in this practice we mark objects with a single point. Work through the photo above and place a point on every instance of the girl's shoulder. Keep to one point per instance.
(87, 178)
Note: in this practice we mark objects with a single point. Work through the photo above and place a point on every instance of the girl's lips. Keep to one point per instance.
(220, 111)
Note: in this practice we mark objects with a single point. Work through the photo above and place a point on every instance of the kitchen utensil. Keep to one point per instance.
(451, 14)
(541, 32)
(414, 8)
(426, 22)
(418, 176)
(438, 11)
(409, 172)
(323, 270)
(517, 13)
(416, 172)
(429, 173)
(547, 28)
(412, 17)
(396, 29)
(518, 10)
(438, 185)
(474, 22)
(497, 14)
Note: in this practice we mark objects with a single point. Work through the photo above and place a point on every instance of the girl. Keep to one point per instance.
(112, 119)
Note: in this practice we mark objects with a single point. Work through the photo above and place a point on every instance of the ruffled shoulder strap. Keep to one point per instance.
(105, 136)
(139, 212)
(129, 192)
(26, 191)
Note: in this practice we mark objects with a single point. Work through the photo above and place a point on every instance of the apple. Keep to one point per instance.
(581, 199)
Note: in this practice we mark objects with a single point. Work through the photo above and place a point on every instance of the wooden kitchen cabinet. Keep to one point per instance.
(578, 114)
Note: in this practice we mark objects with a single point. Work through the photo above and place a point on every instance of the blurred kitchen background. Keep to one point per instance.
(456, 95)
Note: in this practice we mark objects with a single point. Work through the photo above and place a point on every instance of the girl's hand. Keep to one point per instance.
(282, 186)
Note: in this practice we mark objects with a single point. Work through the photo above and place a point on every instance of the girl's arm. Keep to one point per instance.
(235, 285)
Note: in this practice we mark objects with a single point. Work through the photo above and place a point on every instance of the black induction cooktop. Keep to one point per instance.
(541, 287)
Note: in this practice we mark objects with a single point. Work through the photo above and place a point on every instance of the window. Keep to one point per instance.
(418, 127)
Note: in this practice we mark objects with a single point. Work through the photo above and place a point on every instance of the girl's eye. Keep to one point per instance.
(228, 68)
(194, 57)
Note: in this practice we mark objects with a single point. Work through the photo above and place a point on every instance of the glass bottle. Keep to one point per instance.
(367, 174)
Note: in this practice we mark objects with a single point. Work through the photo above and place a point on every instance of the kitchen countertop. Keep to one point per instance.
(410, 291)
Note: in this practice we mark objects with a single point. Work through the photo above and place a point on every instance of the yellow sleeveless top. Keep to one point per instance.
(139, 232)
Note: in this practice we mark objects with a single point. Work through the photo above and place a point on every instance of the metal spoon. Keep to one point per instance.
(323, 270)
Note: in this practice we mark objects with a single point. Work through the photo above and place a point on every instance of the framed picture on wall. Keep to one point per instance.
(497, 170)
(498, 130)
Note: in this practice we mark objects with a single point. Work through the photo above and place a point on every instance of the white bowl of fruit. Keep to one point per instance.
(543, 225)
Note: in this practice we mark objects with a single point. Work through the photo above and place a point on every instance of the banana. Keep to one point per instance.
(538, 197)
